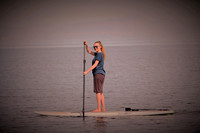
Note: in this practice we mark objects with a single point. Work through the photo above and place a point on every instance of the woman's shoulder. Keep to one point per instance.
(100, 53)
(99, 56)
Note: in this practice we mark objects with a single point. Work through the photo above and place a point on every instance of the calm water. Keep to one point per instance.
(137, 76)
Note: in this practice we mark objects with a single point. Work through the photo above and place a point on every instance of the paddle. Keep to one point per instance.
(84, 61)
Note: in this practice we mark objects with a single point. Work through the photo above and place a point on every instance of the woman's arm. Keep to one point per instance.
(88, 49)
(92, 67)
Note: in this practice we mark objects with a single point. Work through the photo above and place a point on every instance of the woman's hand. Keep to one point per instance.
(84, 73)
(85, 43)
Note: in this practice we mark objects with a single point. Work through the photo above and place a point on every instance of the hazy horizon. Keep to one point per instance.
(117, 22)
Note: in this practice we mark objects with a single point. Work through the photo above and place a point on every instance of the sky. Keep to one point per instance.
(114, 22)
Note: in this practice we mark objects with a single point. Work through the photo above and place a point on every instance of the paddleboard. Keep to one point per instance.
(107, 113)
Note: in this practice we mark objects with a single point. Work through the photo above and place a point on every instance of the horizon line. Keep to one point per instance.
(110, 44)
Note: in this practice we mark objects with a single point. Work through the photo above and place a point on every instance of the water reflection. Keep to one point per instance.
(100, 125)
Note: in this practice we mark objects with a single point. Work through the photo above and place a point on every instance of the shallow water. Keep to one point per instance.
(137, 76)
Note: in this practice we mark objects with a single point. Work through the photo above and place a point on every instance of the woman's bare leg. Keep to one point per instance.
(98, 103)
(103, 109)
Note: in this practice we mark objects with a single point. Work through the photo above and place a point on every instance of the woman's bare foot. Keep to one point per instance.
(96, 110)
(103, 110)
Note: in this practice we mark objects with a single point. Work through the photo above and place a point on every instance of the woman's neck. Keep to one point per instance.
(99, 51)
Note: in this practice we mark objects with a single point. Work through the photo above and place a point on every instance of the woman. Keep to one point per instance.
(98, 73)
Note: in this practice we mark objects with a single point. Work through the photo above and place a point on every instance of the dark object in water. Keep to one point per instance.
(130, 109)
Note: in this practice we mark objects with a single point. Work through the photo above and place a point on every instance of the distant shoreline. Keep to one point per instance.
(119, 44)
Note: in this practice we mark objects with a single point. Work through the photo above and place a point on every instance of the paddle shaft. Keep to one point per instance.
(84, 61)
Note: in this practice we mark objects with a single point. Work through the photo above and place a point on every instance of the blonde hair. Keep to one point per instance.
(102, 49)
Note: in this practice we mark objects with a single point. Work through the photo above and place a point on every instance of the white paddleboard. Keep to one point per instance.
(107, 113)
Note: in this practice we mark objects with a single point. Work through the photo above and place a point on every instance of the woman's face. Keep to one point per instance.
(97, 47)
